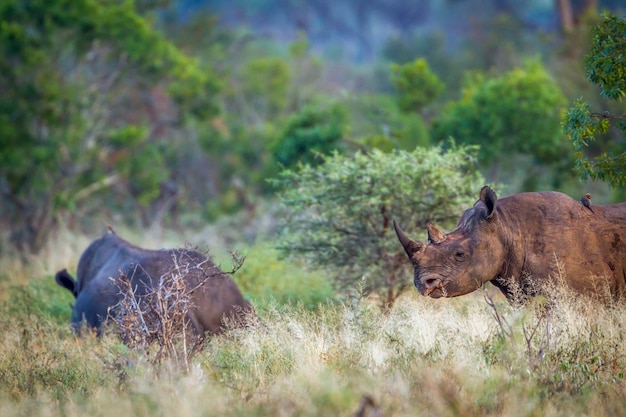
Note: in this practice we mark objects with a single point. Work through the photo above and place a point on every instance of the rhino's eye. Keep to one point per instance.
(459, 255)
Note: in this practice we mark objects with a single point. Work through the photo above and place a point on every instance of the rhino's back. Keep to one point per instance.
(555, 236)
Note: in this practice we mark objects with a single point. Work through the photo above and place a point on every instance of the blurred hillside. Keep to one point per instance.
(361, 31)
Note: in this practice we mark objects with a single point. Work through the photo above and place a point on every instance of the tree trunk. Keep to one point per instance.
(566, 15)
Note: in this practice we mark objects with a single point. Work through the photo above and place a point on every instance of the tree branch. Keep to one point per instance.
(607, 115)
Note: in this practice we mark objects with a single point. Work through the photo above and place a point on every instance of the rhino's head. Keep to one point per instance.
(459, 262)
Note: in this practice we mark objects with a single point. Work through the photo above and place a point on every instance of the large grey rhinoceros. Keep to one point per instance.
(214, 296)
(521, 242)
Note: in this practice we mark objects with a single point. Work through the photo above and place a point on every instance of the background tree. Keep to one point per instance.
(396, 120)
(376, 122)
(73, 76)
(316, 129)
(605, 67)
(515, 113)
(338, 215)
(266, 84)
(262, 88)
(416, 85)
(380, 123)
(104, 119)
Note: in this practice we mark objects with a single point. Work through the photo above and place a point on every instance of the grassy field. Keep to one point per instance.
(309, 357)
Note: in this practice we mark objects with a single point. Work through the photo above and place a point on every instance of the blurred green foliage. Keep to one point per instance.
(68, 72)
(433, 48)
(315, 130)
(417, 86)
(338, 215)
(142, 113)
(266, 85)
(605, 67)
(515, 113)
(376, 122)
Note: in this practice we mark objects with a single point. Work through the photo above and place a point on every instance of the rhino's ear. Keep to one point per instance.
(410, 246)
(435, 235)
(489, 197)
(65, 280)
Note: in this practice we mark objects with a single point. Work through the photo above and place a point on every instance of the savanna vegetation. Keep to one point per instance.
(294, 136)
(469, 356)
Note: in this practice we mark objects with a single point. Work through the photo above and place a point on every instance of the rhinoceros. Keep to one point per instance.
(214, 296)
(521, 242)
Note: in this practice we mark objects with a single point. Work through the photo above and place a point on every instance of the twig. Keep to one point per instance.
(505, 328)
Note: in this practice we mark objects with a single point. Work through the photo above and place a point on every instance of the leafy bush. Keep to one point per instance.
(515, 113)
(417, 86)
(316, 129)
(266, 85)
(376, 122)
(338, 215)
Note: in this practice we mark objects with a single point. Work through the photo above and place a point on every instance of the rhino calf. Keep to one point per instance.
(214, 297)
(524, 240)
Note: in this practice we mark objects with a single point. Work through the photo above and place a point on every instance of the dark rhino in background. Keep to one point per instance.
(519, 243)
(214, 296)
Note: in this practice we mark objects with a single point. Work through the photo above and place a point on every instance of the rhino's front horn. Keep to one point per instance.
(410, 246)
(434, 235)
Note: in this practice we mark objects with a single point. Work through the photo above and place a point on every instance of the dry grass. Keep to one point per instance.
(442, 357)
(425, 357)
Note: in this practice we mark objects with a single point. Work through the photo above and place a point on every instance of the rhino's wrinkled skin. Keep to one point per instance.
(214, 295)
(522, 241)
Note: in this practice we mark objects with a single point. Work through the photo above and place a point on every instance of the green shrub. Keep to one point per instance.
(417, 86)
(338, 216)
(516, 113)
(376, 122)
(316, 129)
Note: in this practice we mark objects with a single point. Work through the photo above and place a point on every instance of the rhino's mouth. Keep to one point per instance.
(432, 287)
(435, 292)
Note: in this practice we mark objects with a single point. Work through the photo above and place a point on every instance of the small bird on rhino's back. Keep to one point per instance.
(586, 200)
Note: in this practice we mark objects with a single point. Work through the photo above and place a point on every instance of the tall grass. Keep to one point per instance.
(444, 357)
(425, 357)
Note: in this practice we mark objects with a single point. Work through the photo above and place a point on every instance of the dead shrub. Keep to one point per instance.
(155, 319)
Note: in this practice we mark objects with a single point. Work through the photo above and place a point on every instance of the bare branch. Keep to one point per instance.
(607, 115)
(155, 318)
